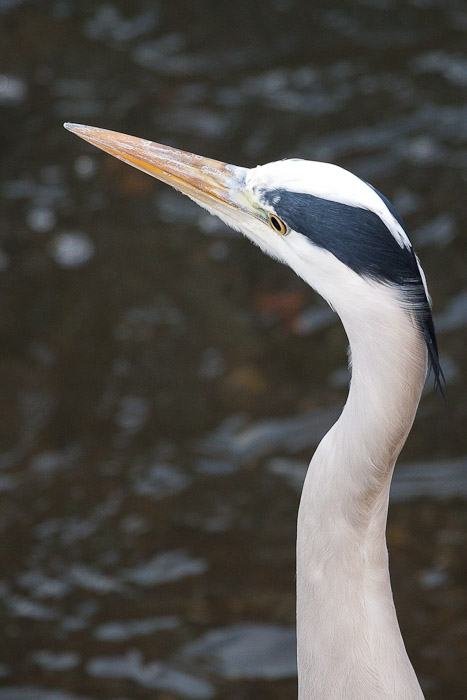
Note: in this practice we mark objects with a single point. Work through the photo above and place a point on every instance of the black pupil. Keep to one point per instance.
(276, 223)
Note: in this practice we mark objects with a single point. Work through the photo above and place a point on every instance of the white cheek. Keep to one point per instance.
(356, 299)
(318, 267)
(343, 289)
(261, 234)
(271, 242)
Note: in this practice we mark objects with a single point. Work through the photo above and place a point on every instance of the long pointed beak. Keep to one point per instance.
(217, 186)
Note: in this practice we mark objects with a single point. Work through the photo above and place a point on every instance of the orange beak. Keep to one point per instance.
(217, 186)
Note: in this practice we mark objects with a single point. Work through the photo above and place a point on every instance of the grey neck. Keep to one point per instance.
(349, 643)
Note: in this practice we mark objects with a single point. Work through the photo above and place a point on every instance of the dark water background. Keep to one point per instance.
(164, 383)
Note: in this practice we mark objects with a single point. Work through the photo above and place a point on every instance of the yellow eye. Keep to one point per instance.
(277, 224)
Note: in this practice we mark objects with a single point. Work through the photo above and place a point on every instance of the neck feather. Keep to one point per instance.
(349, 643)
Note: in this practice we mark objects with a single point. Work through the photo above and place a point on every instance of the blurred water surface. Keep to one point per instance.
(164, 384)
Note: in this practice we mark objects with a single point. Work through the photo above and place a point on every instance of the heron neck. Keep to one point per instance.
(349, 643)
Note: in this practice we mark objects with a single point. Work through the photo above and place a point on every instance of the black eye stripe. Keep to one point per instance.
(361, 240)
(357, 237)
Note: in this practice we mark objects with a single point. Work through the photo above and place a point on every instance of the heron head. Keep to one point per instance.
(336, 231)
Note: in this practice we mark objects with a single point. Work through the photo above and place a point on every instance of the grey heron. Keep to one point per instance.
(348, 242)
